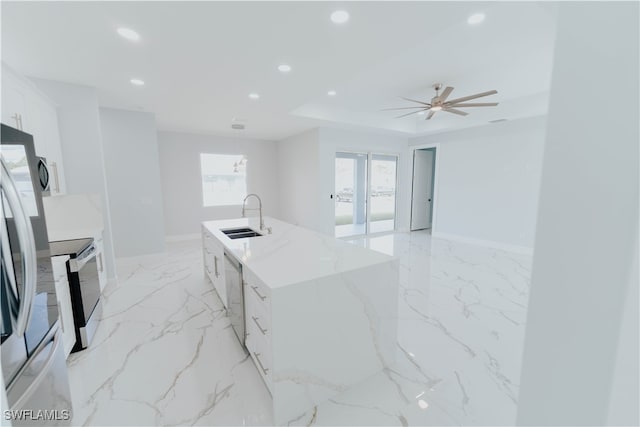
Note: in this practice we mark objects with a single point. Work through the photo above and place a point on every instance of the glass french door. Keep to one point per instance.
(382, 211)
(365, 193)
(351, 194)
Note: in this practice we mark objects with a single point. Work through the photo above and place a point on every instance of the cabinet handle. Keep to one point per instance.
(255, 289)
(100, 261)
(255, 320)
(257, 356)
(54, 166)
(215, 265)
(18, 118)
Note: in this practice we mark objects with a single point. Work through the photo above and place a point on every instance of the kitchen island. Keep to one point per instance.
(320, 314)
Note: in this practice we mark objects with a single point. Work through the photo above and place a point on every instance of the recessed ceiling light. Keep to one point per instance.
(476, 18)
(284, 68)
(332, 93)
(137, 82)
(129, 34)
(340, 16)
(254, 96)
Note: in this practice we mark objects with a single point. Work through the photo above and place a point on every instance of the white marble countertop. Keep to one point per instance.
(291, 254)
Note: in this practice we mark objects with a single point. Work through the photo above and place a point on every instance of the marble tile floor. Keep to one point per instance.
(164, 353)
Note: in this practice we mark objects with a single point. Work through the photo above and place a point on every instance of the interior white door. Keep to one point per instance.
(422, 194)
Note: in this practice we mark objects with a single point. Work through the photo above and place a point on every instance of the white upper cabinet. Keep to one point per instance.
(13, 102)
(24, 107)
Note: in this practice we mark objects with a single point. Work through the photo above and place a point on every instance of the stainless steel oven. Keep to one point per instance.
(84, 284)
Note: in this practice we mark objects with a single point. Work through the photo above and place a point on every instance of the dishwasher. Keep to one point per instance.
(235, 295)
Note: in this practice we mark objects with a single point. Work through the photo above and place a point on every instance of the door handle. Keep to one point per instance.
(54, 166)
(27, 243)
(257, 356)
(255, 289)
(255, 320)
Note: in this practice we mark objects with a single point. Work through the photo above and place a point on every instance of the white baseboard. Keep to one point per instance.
(182, 237)
(524, 250)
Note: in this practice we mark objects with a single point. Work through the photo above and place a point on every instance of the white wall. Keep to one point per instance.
(133, 176)
(623, 402)
(81, 141)
(299, 180)
(488, 181)
(587, 226)
(182, 182)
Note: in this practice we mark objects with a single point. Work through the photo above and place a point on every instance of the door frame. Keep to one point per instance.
(436, 173)
(370, 154)
(366, 222)
(395, 201)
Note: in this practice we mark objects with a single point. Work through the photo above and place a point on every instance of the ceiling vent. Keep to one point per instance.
(238, 123)
(497, 120)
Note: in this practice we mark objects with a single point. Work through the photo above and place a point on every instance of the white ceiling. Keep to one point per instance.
(200, 60)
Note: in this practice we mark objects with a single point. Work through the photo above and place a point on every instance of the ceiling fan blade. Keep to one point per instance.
(472, 104)
(413, 112)
(413, 100)
(431, 113)
(454, 111)
(403, 108)
(477, 95)
(445, 93)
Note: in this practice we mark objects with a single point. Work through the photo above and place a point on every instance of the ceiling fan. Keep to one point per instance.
(440, 103)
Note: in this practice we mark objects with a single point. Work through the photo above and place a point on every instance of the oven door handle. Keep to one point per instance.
(76, 264)
(27, 243)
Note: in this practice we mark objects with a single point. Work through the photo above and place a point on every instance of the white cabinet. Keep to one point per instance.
(63, 294)
(13, 100)
(102, 271)
(213, 254)
(257, 311)
(24, 107)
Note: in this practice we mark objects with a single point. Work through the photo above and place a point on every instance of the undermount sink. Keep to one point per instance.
(240, 233)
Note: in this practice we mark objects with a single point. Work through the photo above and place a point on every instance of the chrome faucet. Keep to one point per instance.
(244, 208)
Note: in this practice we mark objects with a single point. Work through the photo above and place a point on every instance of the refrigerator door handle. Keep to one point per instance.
(46, 367)
(27, 243)
(7, 264)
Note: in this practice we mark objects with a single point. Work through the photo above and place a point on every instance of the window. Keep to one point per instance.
(224, 179)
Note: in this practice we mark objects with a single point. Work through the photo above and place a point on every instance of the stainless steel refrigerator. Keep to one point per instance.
(34, 370)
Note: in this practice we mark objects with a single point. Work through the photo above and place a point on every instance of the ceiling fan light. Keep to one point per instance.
(435, 108)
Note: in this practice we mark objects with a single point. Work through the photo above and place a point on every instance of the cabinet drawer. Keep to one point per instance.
(257, 313)
(261, 355)
(206, 235)
(254, 288)
(210, 246)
